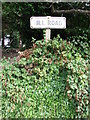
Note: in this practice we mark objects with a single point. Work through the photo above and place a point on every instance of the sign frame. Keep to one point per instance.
(46, 21)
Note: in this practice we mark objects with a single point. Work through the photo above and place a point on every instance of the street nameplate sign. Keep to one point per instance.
(48, 22)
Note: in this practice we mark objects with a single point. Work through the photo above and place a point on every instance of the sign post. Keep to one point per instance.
(48, 34)
(48, 23)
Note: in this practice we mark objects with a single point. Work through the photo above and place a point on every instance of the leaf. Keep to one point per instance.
(69, 91)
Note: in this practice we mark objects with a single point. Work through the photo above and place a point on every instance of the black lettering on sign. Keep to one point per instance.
(49, 22)
(53, 22)
(37, 22)
(56, 23)
(60, 23)
(42, 22)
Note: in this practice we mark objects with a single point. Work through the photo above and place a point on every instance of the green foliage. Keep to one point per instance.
(82, 43)
(52, 83)
(77, 31)
(16, 17)
(15, 39)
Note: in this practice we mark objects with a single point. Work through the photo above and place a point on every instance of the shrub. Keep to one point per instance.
(49, 81)
(82, 44)
(77, 32)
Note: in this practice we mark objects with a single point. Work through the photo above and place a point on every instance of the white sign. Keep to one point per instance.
(48, 22)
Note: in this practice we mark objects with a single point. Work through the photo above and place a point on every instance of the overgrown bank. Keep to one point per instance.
(49, 80)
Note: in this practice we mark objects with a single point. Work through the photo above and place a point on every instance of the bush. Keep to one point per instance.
(49, 81)
(82, 44)
(77, 32)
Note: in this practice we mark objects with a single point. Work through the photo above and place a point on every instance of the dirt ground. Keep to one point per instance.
(10, 53)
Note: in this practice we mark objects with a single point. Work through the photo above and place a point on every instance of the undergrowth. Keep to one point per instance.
(49, 81)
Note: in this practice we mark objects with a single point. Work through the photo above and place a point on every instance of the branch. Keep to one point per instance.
(58, 12)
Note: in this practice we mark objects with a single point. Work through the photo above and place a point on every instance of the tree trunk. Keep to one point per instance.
(20, 42)
(2, 39)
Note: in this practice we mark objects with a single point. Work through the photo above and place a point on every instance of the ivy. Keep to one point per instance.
(49, 81)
